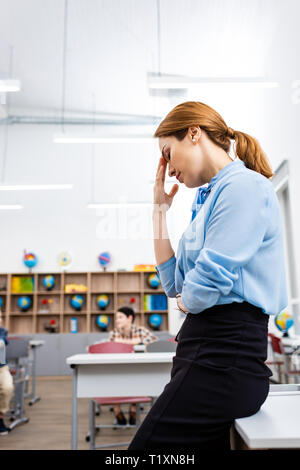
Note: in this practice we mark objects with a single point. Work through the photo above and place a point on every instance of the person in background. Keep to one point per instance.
(127, 332)
(6, 382)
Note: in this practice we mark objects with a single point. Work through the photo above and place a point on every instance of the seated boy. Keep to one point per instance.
(6, 382)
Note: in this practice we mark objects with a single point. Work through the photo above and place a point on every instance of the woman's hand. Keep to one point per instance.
(180, 304)
(162, 200)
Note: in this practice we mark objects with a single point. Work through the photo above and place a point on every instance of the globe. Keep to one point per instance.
(153, 281)
(102, 321)
(283, 321)
(24, 302)
(77, 301)
(104, 258)
(30, 260)
(155, 320)
(49, 281)
(102, 301)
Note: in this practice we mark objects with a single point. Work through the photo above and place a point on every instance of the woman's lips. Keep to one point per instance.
(177, 177)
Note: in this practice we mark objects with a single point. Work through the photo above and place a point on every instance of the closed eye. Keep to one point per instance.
(166, 155)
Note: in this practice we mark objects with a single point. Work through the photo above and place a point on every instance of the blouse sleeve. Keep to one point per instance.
(234, 233)
(166, 274)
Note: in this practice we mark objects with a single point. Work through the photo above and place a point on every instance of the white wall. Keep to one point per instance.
(54, 221)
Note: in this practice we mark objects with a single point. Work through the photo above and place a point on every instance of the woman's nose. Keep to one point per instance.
(171, 171)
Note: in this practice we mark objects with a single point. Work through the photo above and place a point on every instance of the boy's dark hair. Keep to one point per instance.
(127, 311)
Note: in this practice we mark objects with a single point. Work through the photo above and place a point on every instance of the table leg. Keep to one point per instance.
(74, 409)
(34, 398)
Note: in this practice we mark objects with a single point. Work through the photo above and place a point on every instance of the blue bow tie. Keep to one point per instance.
(199, 200)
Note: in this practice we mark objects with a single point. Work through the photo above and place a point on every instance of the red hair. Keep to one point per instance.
(195, 113)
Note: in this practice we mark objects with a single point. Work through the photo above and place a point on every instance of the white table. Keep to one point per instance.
(277, 423)
(131, 374)
(293, 341)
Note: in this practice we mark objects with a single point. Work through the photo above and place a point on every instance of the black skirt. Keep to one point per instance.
(218, 375)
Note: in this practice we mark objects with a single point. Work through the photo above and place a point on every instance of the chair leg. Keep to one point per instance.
(18, 412)
(98, 409)
(92, 424)
(138, 415)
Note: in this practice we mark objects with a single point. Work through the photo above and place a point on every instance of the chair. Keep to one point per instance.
(16, 349)
(282, 362)
(2, 352)
(277, 362)
(112, 347)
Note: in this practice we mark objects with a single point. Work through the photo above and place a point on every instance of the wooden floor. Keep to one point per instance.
(49, 426)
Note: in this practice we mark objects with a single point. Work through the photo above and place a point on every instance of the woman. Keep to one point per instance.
(228, 277)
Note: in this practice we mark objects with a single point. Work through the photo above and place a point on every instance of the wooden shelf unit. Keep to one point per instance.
(120, 286)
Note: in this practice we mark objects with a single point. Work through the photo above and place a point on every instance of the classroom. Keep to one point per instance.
(149, 281)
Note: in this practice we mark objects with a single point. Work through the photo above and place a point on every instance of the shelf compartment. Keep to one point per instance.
(146, 287)
(22, 284)
(78, 279)
(95, 307)
(14, 304)
(3, 283)
(42, 289)
(102, 282)
(54, 306)
(67, 306)
(164, 324)
(124, 300)
(43, 320)
(81, 323)
(128, 282)
(21, 324)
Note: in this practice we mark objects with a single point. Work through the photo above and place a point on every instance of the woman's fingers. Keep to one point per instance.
(159, 165)
(173, 190)
(161, 173)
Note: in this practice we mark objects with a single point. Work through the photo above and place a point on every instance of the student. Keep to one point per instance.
(127, 332)
(228, 277)
(6, 383)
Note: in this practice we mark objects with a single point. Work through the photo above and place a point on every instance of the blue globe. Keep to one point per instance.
(77, 301)
(155, 320)
(153, 281)
(102, 301)
(104, 258)
(283, 321)
(102, 321)
(24, 302)
(49, 281)
(30, 260)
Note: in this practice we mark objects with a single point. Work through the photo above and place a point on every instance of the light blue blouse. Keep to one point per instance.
(232, 249)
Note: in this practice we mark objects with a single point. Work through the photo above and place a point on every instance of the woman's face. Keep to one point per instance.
(122, 321)
(187, 159)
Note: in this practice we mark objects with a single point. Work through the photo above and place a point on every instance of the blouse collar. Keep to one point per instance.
(202, 191)
(226, 169)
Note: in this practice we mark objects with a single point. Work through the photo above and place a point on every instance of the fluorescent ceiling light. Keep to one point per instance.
(114, 205)
(180, 82)
(9, 85)
(23, 187)
(69, 139)
(10, 207)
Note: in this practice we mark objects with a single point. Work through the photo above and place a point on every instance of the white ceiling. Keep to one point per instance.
(111, 45)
